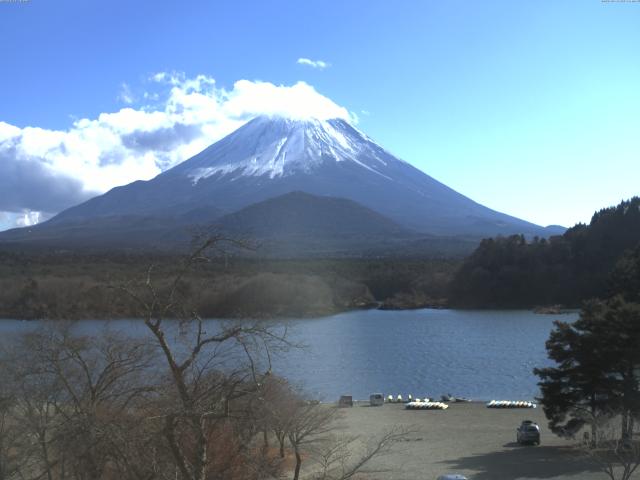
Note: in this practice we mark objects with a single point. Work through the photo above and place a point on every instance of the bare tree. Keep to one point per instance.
(308, 424)
(9, 436)
(73, 400)
(188, 401)
(338, 462)
(277, 402)
(211, 367)
(617, 456)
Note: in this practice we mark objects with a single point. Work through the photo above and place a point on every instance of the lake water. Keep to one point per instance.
(479, 354)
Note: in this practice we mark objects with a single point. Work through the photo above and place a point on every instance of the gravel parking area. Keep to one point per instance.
(467, 438)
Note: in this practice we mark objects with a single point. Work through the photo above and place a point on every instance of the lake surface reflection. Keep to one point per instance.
(479, 354)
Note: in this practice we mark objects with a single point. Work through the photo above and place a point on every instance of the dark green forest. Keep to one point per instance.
(503, 272)
(512, 272)
(77, 286)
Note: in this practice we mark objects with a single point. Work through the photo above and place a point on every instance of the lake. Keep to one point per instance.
(479, 354)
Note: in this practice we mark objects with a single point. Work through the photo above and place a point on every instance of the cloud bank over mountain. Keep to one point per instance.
(44, 171)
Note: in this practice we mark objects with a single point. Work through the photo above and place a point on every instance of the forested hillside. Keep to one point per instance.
(511, 272)
(78, 286)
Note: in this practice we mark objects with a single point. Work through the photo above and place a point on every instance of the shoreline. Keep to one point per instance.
(311, 315)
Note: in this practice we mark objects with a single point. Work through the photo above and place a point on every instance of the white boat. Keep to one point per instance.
(510, 404)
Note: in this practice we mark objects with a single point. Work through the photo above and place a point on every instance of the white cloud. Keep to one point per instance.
(28, 218)
(44, 171)
(158, 77)
(126, 95)
(297, 101)
(319, 64)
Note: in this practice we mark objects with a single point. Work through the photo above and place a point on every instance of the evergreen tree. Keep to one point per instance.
(598, 368)
(577, 392)
(513, 273)
(625, 278)
(618, 347)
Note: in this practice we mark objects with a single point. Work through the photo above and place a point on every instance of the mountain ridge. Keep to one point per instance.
(293, 225)
(273, 156)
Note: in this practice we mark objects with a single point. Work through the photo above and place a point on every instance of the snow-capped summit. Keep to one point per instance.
(272, 156)
(279, 147)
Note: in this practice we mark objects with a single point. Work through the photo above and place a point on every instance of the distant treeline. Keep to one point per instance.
(505, 272)
(76, 286)
(512, 272)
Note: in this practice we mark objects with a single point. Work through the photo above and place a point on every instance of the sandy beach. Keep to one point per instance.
(467, 438)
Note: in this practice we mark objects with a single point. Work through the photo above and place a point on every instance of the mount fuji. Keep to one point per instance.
(273, 156)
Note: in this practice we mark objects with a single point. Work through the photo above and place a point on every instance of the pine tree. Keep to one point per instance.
(598, 369)
(577, 392)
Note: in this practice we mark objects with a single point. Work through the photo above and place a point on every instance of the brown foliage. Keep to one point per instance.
(73, 286)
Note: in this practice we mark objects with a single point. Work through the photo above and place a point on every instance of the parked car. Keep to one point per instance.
(528, 432)
(452, 476)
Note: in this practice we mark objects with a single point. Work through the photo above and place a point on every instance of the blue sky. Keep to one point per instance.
(531, 108)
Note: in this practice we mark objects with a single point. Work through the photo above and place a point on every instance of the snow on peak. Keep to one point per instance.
(277, 146)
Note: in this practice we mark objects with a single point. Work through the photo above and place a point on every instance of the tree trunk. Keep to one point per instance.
(45, 453)
(200, 467)
(174, 446)
(594, 419)
(281, 439)
(296, 473)
(625, 426)
(2, 474)
(63, 465)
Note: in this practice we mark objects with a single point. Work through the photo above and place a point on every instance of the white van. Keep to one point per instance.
(376, 399)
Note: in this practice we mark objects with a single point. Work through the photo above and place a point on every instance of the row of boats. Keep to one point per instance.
(417, 405)
(510, 404)
(400, 399)
(443, 398)
(427, 403)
